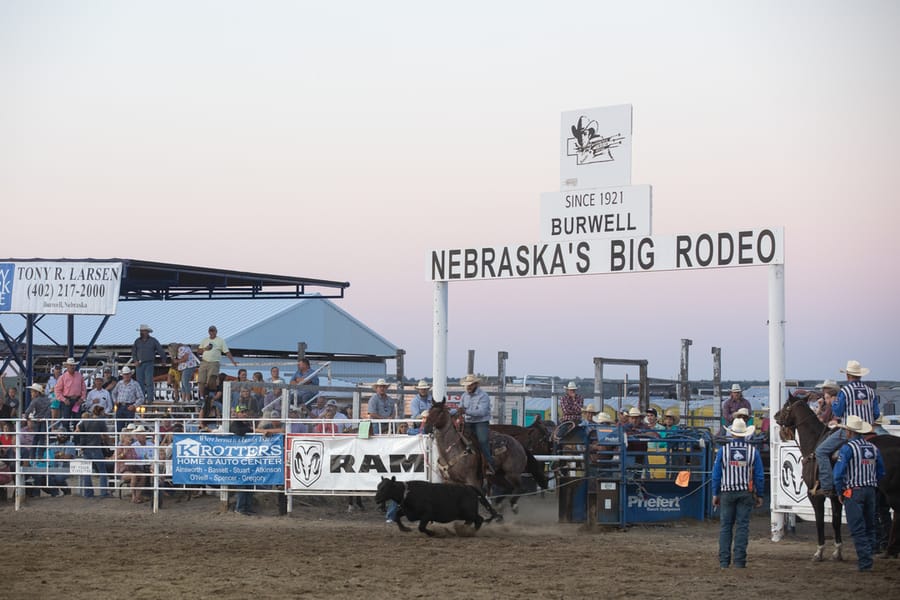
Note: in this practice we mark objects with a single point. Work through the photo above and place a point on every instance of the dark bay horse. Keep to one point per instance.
(461, 462)
(536, 438)
(796, 418)
(799, 423)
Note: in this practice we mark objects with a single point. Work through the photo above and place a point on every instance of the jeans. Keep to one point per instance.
(144, 375)
(734, 509)
(392, 508)
(823, 458)
(860, 509)
(243, 502)
(482, 432)
(99, 465)
(187, 387)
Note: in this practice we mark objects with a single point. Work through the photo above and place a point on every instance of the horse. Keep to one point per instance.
(535, 439)
(796, 419)
(461, 462)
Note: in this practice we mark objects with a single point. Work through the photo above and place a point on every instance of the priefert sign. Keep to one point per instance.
(715, 249)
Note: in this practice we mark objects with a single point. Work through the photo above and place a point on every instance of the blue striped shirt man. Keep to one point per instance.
(856, 398)
(859, 464)
(737, 465)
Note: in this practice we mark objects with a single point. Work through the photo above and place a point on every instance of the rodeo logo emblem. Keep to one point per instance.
(588, 146)
(306, 462)
(792, 474)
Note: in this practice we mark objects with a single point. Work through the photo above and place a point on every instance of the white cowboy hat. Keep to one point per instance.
(856, 424)
(424, 414)
(129, 428)
(145, 327)
(379, 383)
(125, 371)
(469, 380)
(140, 429)
(71, 361)
(743, 411)
(634, 412)
(740, 428)
(36, 387)
(602, 417)
(589, 408)
(422, 385)
(854, 368)
(571, 386)
(736, 387)
(828, 384)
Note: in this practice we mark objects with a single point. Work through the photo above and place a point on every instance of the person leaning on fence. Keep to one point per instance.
(381, 406)
(422, 400)
(856, 399)
(858, 470)
(571, 404)
(587, 416)
(737, 486)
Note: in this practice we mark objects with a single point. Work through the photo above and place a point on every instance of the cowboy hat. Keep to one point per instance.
(854, 368)
(71, 361)
(129, 428)
(856, 424)
(36, 387)
(602, 417)
(571, 386)
(635, 412)
(589, 408)
(736, 387)
(380, 382)
(673, 414)
(140, 429)
(422, 385)
(144, 327)
(740, 428)
(469, 380)
(828, 384)
(424, 414)
(742, 411)
(125, 371)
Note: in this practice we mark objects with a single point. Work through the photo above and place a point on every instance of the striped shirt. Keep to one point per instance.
(737, 465)
(856, 398)
(859, 464)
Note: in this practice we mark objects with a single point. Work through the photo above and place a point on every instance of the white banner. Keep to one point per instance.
(737, 248)
(789, 489)
(64, 288)
(350, 464)
(614, 212)
(595, 147)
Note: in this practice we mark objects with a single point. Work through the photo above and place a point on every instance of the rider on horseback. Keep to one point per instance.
(475, 405)
(856, 399)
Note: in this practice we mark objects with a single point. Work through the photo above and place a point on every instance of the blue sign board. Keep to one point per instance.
(223, 459)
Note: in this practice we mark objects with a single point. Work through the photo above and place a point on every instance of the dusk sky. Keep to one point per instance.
(345, 140)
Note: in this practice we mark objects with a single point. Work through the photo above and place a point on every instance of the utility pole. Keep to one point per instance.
(684, 386)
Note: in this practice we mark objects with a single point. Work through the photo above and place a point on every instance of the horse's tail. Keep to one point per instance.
(536, 469)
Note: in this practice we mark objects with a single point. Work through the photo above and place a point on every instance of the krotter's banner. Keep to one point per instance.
(65, 288)
(223, 459)
(345, 463)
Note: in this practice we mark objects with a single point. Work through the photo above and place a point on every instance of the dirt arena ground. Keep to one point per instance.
(73, 548)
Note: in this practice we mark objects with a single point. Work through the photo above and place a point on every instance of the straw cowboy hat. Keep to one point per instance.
(589, 408)
(673, 414)
(828, 384)
(571, 386)
(424, 414)
(857, 425)
(854, 368)
(469, 380)
(70, 361)
(736, 387)
(743, 411)
(36, 387)
(602, 417)
(125, 371)
(740, 428)
(423, 385)
(146, 328)
(635, 412)
(380, 383)
(140, 429)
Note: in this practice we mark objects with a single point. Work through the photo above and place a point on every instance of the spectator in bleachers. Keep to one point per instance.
(327, 425)
(275, 374)
(50, 388)
(319, 407)
(109, 382)
(212, 347)
(39, 414)
(187, 363)
(381, 406)
(587, 415)
(9, 406)
(304, 376)
(70, 391)
(98, 396)
(143, 354)
(260, 390)
(53, 457)
(210, 413)
(571, 404)
(128, 396)
(270, 426)
(7, 441)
